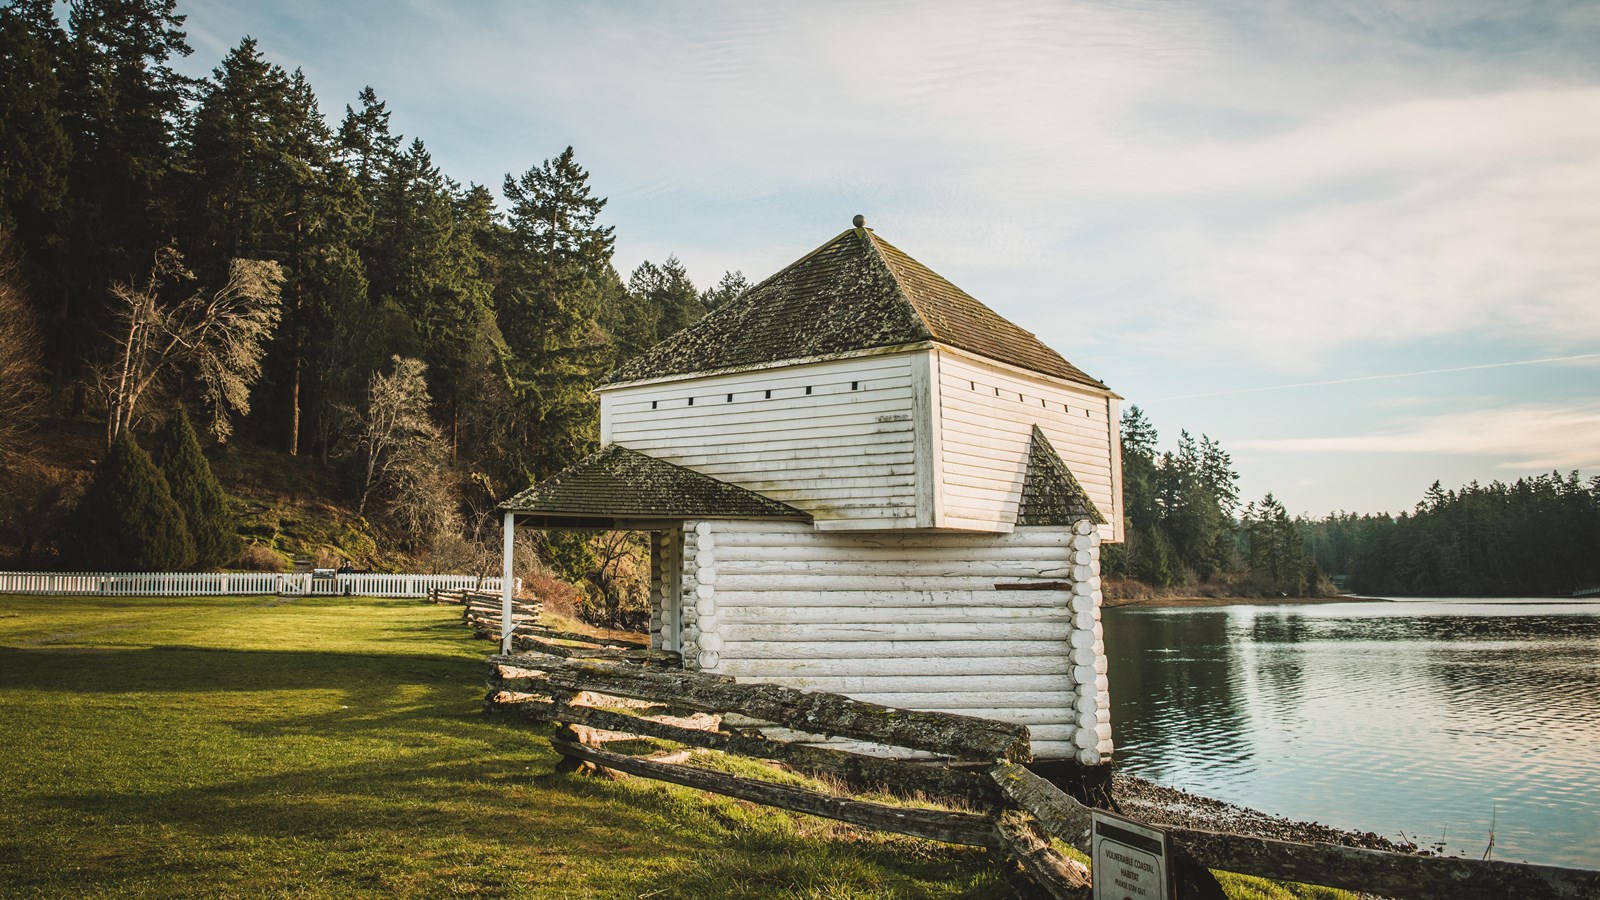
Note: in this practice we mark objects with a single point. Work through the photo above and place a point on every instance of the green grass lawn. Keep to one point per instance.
(334, 747)
(327, 747)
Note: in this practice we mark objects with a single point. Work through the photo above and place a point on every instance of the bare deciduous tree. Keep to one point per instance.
(393, 437)
(21, 388)
(221, 336)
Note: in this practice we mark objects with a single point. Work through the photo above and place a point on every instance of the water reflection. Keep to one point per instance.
(1433, 719)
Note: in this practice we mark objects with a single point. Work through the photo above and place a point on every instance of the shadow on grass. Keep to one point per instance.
(183, 669)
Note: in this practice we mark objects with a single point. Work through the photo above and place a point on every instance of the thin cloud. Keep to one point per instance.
(1522, 438)
(1583, 357)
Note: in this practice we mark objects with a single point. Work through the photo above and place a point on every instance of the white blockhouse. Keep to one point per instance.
(860, 479)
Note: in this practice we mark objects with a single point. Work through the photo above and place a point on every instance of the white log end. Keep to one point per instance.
(1089, 756)
(709, 641)
(706, 606)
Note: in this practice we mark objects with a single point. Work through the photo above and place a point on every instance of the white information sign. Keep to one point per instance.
(1130, 860)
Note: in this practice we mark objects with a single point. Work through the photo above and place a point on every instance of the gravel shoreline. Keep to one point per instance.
(1148, 801)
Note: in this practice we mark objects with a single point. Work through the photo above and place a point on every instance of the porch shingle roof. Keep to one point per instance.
(618, 483)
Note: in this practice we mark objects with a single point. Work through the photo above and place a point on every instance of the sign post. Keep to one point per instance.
(1130, 860)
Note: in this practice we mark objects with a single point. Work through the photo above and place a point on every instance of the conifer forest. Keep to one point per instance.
(237, 262)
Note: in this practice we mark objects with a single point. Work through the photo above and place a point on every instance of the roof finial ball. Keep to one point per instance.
(859, 221)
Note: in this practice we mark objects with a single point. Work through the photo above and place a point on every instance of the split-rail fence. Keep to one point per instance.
(595, 692)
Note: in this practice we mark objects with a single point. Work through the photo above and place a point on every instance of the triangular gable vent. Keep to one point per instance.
(1051, 495)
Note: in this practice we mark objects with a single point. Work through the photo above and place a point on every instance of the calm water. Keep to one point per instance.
(1430, 718)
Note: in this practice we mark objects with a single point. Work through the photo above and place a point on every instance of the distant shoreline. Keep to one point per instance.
(1203, 602)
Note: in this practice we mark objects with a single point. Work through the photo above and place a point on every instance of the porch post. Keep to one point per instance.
(507, 584)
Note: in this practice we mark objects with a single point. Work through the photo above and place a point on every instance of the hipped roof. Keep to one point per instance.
(618, 483)
(857, 292)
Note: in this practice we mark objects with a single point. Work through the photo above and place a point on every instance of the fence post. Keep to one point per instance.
(508, 537)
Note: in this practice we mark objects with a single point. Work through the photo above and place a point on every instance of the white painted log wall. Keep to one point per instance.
(908, 620)
(843, 455)
(984, 439)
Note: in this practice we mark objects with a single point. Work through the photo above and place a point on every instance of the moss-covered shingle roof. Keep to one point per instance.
(856, 292)
(618, 483)
(1051, 494)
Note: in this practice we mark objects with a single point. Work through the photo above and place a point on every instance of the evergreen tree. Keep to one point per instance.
(729, 288)
(659, 301)
(239, 168)
(196, 491)
(120, 103)
(555, 275)
(127, 520)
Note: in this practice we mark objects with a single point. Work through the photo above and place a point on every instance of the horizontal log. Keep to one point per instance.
(984, 598)
(864, 773)
(523, 641)
(968, 616)
(1061, 878)
(897, 631)
(800, 581)
(1035, 586)
(934, 553)
(641, 642)
(892, 649)
(954, 565)
(934, 825)
(1402, 876)
(998, 666)
(961, 737)
(859, 684)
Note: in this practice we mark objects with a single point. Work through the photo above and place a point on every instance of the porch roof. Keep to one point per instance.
(618, 483)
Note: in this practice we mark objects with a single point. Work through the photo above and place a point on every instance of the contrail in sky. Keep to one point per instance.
(1285, 387)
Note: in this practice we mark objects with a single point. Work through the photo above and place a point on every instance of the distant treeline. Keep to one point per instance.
(1185, 525)
(1535, 536)
(1186, 528)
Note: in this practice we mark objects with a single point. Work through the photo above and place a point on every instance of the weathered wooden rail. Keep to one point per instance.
(977, 766)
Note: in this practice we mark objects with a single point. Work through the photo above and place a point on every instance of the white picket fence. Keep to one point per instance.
(194, 584)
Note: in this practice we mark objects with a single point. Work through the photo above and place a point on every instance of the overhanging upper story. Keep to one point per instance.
(863, 389)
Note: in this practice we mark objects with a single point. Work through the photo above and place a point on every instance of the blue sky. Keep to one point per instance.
(1216, 208)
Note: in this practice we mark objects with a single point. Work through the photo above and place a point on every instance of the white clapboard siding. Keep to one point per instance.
(910, 620)
(842, 452)
(984, 438)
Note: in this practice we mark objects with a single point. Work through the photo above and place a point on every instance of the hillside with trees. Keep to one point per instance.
(305, 284)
